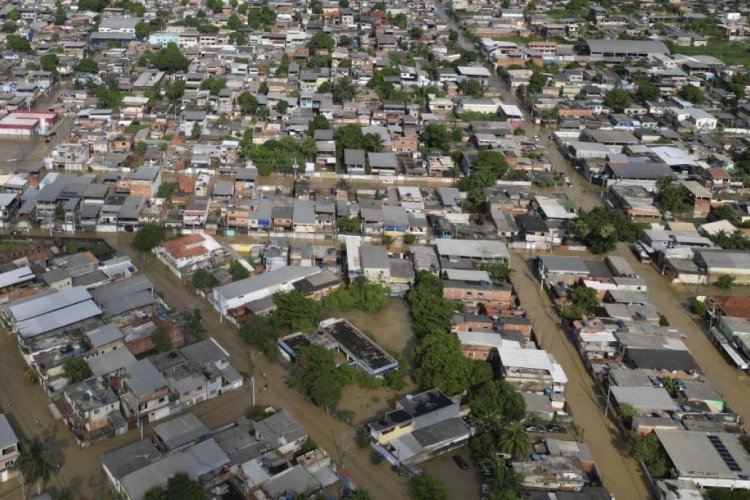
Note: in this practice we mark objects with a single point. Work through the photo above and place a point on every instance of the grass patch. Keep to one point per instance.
(10, 246)
(729, 52)
(476, 116)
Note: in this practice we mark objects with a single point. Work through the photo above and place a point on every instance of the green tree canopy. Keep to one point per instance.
(297, 311)
(515, 441)
(161, 340)
(49, 62)
(617, 100)
(321, 40)
(648, 92)
(203, 279)
(440, 363)
(179, 487)
(238, 271)
(427, 487)
(86, 65)
(601, 229)
(670, 195)
(213, 85)
(495, 402)
(261, 332)
(314, 374)
(142, 29)
(93, 5)
(436, 136)
(360, 294)
(76, 370)
(692, 93)
(170, 59)
(36, 462)
(147, 237)
(17, 43)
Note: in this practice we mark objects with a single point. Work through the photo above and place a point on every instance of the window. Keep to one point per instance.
(161, 400)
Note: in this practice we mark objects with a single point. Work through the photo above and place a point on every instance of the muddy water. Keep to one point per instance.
(619, 472)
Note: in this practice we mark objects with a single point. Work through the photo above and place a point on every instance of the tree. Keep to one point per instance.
(648, 449)
(263, 88)
(14, 14)
(9, 27)
(360, 294)
(281, 106)
(725, 282)
(350, 225)
(213, 85)
(165, 190)
(262, 333)
(147, 237)
(36, 462)
(49, 62)
(537, 82)
(179, 487)
(315, 375)
(617, 100)
(399, 20)
(60, 15)
(601, 229)
(427, 487)
(196, 131)
(440, 363)
(319, 122)
(343, 90)
(142, 29)
(195, 325)
(436, 136)
(202, 279)
(248, 103)
(495, 402)
(174, 91)
(17, 43)
(500, 272)
(416, 32)
(92, 5)
(238, 271)
(670, 195)
(297, 311)
(170, 59)
(161, 340)
(265, 17)
(626, 412)
(76, 370)
(430, 312)
(86, 65)
(472, 87)
(648, 92)
(692, 93)
(515, 441)
(234, 23)
(321, 40)
(141, 148)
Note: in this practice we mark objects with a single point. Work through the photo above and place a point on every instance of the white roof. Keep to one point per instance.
(473, 249)
(713, 228)
(486, 339)
(511, 110)
(16, 276)
(597, 337)
(533, 359)
(479, 71)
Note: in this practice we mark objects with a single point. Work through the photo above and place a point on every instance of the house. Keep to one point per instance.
(375, 264)
(90, 406)
(354, 161)
(532, 370)
(9, 450)
(554, 268)
(620, 50)
(281, 432)
(231, 299)
(481, 250)
(722, 462)
(145, 392)
(419, 428)
(182, 430)
(718, 262)
(184, 256)
(383, 163)
(482, 296)
(145, 182)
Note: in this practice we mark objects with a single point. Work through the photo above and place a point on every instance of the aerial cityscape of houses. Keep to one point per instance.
(431, 250)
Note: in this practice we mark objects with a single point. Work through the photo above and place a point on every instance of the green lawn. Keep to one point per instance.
(730, 53)
(9, 246)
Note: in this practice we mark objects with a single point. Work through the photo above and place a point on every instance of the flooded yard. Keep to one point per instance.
(463, 484)
(391, 329)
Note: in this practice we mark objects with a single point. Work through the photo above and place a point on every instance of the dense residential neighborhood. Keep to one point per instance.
(334, 249)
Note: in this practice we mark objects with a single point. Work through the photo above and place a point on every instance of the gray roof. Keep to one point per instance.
(110, 361)
(181, 430)
(7, 436)
(279, 429)
(146, 173)
(144, 378)
(564, 265)
(645, 399)
(205, 351)
(130, 458)
(119, 296)
(354, 157)
(653, 171)
(634, 47)
(104, 335)
(695, 455)
(374, 257)
(726, 259)
(265, 280)
(383, 160)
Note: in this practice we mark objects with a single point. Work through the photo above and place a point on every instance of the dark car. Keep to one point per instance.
(461, 462)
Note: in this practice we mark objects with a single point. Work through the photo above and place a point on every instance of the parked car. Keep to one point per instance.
(461, 462)
(533, 428)
(557, 429)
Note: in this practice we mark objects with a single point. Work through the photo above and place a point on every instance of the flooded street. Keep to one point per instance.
(619, 472)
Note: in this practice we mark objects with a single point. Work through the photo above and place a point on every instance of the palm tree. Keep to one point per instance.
(514, 440)
(670, 385)
(35, 463)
